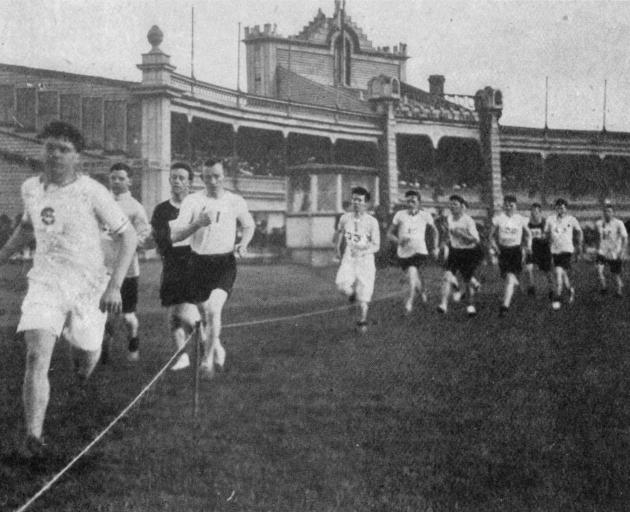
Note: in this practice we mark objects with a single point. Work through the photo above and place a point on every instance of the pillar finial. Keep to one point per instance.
(155, 37)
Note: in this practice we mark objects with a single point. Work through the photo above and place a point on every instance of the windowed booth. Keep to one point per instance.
(316, 197)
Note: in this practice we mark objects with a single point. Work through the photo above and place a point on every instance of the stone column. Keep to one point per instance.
(155, 93)
(389, 188)
(489, 105)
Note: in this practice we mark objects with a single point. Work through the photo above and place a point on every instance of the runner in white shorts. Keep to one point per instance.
(68, 287)
(355, 277)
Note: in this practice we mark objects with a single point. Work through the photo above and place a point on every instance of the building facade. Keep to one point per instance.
(324, 110)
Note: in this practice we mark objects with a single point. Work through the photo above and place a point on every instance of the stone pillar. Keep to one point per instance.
(384, 94)
(155, 93)
(489, 105)
(389, 190)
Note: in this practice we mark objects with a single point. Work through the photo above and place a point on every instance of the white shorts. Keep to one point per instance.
(357, 273)
(61, 305)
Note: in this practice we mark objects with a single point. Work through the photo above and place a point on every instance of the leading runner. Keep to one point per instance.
(68, 286)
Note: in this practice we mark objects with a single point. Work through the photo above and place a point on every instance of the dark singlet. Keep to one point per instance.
(538, 234)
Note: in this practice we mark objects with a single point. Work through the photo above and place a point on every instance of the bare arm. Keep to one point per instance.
(580, 238)
(392, 232)
(492, 238)
(141, 225)
(111, 300)
(21, 237)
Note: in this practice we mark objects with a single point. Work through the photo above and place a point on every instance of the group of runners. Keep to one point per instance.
(517, 241)
(85, 269)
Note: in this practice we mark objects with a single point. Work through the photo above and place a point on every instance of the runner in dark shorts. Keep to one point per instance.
(182, 315)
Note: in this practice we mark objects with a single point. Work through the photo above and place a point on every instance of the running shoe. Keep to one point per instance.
(182, 363)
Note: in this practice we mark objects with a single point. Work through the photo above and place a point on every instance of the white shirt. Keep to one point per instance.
(412, 227)
(220, 236)
(360, 232)
(560, 230)
(68, 222)
(138, 217)
(510, 229)
(458, 229)
(611, 236)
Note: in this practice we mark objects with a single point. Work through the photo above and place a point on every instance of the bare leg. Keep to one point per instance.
(414, 285)
(36, 388)
(132, 325)
(447, 283)
(511, 282)
(210, 312)
(601, 276)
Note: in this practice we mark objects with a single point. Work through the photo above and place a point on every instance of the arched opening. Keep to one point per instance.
(343, 60)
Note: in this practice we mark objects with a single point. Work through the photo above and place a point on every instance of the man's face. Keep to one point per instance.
(179, 180)
(119, 181)
(213, 177)
(413, 203)
(60, 156)
(358, 203)
(535, 212)
(561, 209)
(608, 213)
(509, 207)
(456, 207)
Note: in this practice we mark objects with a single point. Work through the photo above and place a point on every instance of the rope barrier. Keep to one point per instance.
(157, 376)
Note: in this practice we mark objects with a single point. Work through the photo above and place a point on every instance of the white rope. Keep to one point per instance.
(146, 388)
(65, 469)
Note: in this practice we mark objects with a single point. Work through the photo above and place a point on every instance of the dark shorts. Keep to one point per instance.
(614, 265)
(417, 260)
(464, 261)
(175, 276)
(129, 294)
(209, 272)
(510, 260)
(540, 256)
(562, 260)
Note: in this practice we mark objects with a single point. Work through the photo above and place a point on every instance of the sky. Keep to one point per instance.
(510, 45)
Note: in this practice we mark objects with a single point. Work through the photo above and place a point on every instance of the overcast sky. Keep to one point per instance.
(511, 45)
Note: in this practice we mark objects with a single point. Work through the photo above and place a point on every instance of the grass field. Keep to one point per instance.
(428, 413)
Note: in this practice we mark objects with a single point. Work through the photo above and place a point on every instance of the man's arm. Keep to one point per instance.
(493, 238)
(21, 237)
(141, 225)
(111, 300)
(375, 239)
(580, 237)
(436, 237)
(248, 227)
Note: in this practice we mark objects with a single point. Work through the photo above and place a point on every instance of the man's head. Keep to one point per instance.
(360, 199)
(62, 145)
(412, 198)
(213, 176)
(180, 178)
(457, 204)
(561, 206)
(509, 204)
(608, 211)
(120, 175)
(535, 212)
